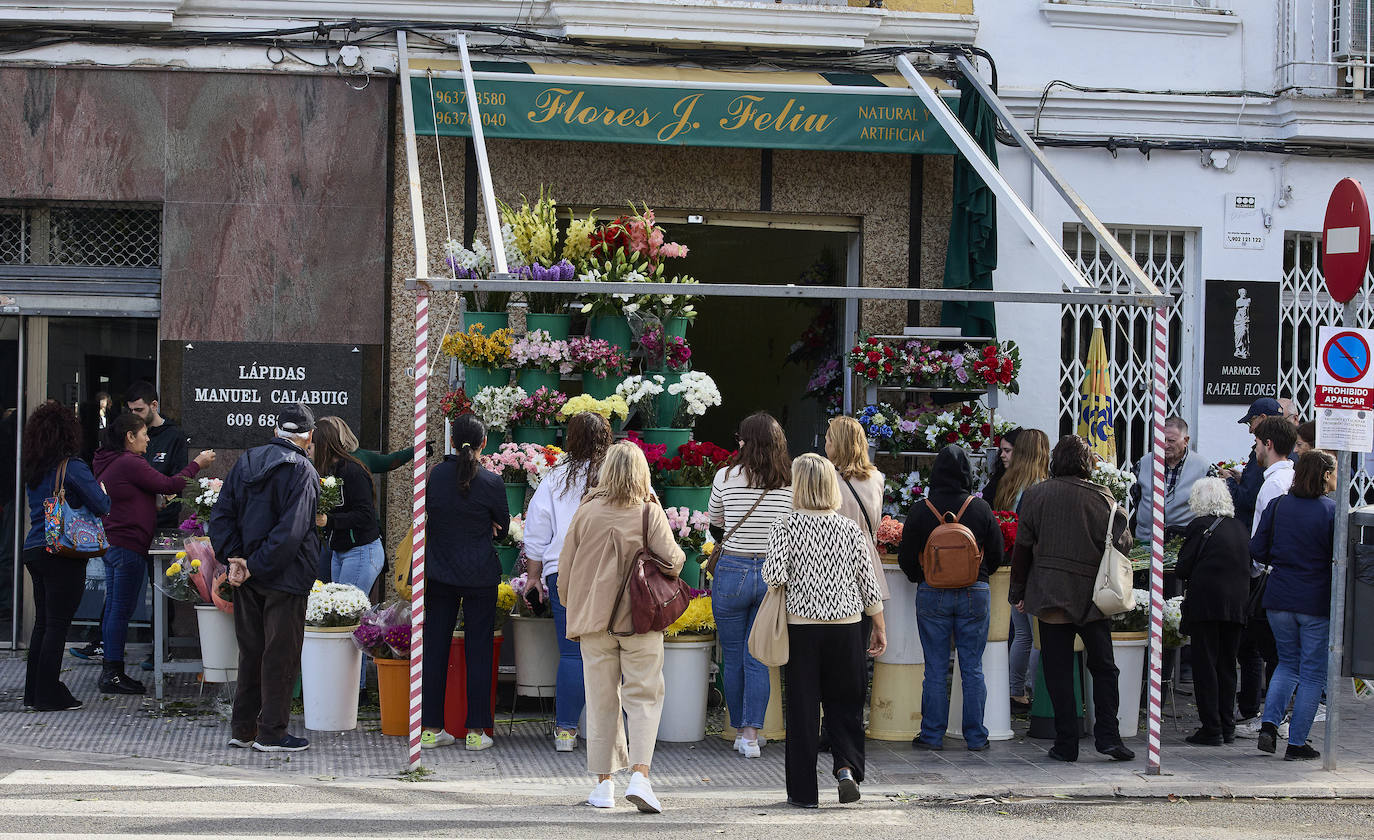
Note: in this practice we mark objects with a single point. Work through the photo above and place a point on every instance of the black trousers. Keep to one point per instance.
(826, 668)
(1258, 656)
(270, 627)
(1056, 657)
(442, 604)
(58, 584)
(1214, 673)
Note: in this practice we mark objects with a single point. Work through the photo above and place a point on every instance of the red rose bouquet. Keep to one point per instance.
(1006, 520)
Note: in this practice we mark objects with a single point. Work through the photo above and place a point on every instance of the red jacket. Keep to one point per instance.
(133, 486)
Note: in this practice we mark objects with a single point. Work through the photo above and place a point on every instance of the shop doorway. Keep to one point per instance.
(763, 352)
(85, 363)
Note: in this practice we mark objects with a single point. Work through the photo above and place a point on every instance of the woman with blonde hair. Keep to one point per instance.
(822, 558)
(1029, 465)
(746, 497)
(622, 670)
(861, 497)
(1215, 563)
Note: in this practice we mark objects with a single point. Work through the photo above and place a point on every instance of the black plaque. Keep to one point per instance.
(231, 391)
(1240, 361)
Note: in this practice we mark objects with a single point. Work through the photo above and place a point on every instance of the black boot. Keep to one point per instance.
(113, 680)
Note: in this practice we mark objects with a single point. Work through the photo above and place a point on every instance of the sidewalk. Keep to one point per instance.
(188, 729)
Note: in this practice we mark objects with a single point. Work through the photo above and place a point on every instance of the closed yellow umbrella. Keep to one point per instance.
(1096, 408)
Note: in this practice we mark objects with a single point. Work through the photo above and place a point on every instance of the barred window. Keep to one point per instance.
(82, 234)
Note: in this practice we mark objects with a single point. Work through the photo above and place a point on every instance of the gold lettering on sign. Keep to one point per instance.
(682, 109)
(549, 101)
(742, 112)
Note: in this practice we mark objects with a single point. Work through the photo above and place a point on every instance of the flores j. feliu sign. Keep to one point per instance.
(231, 392)
(530, 107)
(1240, 360)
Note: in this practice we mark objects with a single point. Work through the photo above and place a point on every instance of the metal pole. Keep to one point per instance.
(1340, 546)
(421, 419)
(479, 145)
(1048, 246)
(1076, 203)
(1160, 363)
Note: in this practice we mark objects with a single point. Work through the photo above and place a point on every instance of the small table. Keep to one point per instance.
(162, 558)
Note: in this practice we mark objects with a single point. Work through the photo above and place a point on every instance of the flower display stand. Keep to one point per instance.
(219, 646)
(515, 497)
(686, 682)
(895, 704)
(671, 438)
(774, 725)
(536, 655)
(692, 498)
(477, 378)
(456, 685)
(997, 706)
(1128, 650)
(540, 435)
(330, 665)
(393, 690)
(598, 388)
(612, 328)
(491, 321)
(665, 407)
(509, 556)
(556, 325)
(533, 380)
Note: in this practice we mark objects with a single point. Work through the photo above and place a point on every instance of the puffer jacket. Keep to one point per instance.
(266, 515)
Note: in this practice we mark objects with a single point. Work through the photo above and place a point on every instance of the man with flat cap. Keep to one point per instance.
(264, 526)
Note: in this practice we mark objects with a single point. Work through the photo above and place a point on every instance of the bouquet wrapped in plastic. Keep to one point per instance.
(384, 631)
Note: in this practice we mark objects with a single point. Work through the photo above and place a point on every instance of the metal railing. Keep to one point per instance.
(1169, 5)
(1325, 47)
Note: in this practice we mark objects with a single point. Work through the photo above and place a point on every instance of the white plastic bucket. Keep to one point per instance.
(330, 664)
(686, 669)
(899, 611)
(1129, 654)
(996, 705)
(536, 656)
(219, 646)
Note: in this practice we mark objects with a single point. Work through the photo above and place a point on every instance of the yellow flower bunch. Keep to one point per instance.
(505, 598)
(533, 228)
(697, 618)
(708, 547)
(475, 348)
(181, 555)
(577, 243)
(174, 570)
(195, 565)
(614, 405)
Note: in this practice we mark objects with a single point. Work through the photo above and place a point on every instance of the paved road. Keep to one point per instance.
(55, 800)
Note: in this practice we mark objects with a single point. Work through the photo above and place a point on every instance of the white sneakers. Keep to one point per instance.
(749, 749)
(431, 740)
(564, 740)
(603, 795)
(638, 793)
(477, 741)
(641, 794)
(1250, 727)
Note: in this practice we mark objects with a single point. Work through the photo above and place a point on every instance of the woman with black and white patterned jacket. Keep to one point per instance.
(821, 557)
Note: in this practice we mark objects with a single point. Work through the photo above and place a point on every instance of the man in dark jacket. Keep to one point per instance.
(959, 615)
(264, 526)
(1246, 486)
(167, 444)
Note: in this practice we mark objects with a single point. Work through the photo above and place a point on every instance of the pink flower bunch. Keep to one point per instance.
(687, 523)
(539, 409)
(514, 462)
(889, 535)
(659, 352)
(598, 357)
(646, 237)
(538, 350)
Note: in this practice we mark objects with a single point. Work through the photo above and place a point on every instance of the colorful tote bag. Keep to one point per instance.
(74, 533)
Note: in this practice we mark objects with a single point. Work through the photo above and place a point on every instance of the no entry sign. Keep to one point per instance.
(1345, 240)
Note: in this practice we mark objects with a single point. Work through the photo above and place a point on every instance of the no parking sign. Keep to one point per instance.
(1345, 389)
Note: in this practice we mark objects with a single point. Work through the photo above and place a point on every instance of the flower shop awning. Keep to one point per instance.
(681, 106)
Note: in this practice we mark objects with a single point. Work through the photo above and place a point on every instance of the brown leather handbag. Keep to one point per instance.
(656, 600)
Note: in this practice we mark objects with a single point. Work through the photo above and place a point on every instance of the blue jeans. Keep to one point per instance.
(569, 694)
(359, 566)
(959, 616)
(125, 572)
(1301, 640)
(1024, 656)
(736, 592)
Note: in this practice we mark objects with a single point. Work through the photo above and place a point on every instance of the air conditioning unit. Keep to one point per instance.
(1351, 41)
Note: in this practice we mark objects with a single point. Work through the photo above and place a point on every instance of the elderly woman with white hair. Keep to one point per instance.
(1215, 564)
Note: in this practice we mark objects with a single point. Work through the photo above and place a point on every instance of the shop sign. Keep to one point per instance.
(231, 391)
(1240, 363)
(540, 108)
(1244, 222)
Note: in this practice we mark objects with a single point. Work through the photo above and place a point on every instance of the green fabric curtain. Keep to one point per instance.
(972, 253)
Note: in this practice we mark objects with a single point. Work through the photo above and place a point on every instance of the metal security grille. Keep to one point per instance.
(80, 234)
(1304, 306)
(1164, 255)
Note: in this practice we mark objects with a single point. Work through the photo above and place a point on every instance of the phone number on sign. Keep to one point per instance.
(250, 420)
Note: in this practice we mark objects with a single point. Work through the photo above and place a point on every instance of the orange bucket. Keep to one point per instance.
(393, 689)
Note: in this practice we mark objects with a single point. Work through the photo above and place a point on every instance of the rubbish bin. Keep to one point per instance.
(1359, 601)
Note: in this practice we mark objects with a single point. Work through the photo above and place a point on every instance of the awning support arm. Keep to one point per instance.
(1123, 260)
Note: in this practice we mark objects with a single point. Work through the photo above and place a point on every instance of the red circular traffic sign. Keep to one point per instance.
(1345, 240)
(1346, 357)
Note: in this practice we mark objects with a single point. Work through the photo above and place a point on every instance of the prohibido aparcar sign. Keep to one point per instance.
(231, 391)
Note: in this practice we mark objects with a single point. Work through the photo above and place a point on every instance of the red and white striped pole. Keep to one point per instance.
(417, 530)
(1160, 364)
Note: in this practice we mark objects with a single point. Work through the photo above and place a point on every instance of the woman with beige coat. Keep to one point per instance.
(622, 669)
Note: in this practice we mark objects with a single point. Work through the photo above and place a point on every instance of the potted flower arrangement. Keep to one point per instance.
(889, 538)
(631, 249)
(696, 392)
(539, 360)
(495, 406)
(508, 547)
(1117, 480)
(686, 669)
(536, 646)
(923, 365)
(992, 366)
(899, 492)
(542, 463)
(663, 352)
(514, 462)
(483, 356)
(384, 634)
(873, 360)
(641, 394)
(330, 663)
(603, 365)
(536, 417)
(1130, 637)
(690, 527)
(879, 421)
(476, 263)
(689, 473)
(534, 231)
(613, 408)
(199, 499)
(454, 404)
(653, 452)
(966, 425)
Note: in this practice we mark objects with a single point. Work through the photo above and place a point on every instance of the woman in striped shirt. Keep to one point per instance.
(746, 497)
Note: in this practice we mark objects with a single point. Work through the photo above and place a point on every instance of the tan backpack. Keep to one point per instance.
(951, 558)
